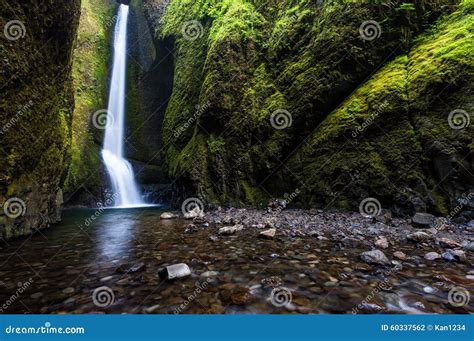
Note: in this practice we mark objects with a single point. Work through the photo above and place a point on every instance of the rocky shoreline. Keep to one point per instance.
(438, 237)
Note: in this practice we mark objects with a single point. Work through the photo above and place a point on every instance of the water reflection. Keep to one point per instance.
(114, 234)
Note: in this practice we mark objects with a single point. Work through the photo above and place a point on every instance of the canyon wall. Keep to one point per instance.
(86, 181)
(36, 106)
(335, 100)
(323, 102)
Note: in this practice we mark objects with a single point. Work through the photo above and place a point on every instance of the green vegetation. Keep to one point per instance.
(36, 112)
(252, 58)
(362, 117)
(403, 152)
(90, 74)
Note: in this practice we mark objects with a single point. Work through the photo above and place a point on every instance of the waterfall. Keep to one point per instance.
(120, 171)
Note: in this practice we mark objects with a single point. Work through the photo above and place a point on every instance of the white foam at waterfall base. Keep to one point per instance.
(119, 169)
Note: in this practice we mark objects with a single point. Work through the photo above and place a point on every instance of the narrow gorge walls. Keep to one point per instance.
(325, 102)
(36, 105)
(270, 76)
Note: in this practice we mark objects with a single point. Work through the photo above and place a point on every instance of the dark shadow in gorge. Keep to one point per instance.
(150, 84)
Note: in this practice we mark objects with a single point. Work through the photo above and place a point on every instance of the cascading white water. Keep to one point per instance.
(119, 169)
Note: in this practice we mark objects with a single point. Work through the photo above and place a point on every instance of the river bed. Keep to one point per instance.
(120, 251)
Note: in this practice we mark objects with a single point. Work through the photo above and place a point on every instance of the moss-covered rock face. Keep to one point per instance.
(402, 136)
(86, 177)
(149, 85)
(242, 64)
(35, 111)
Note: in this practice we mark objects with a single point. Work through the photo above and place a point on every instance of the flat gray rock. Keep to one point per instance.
(419, 237)
(375, 257)
(175, 271)
(423, 220)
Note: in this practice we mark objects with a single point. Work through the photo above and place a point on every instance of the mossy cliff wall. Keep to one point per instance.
(393, 138)
(86, 179)
(149, 84)
(237, 63)
(36, 105)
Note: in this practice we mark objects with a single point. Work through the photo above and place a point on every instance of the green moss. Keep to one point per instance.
(382, 141)
(253, 195)
(216, 145)
(253, 58)
(90, 74)
(36, 112)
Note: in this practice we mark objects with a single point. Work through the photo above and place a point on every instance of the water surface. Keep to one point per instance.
(234, 274)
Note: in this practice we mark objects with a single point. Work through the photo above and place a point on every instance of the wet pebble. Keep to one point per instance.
(191, 228)
(123, 281)
(69, 302)
(105, 279)
(268, 234)
(469, 246)
(423, 220)
(419, 237)
(214, 238)
(227, 230)
(448, 243)
(152, 309)
(36, 295)
(68, 291)
(375, 257)
(432, 256)
(210, 274)
(381, 242)
(168, 215)
(429, 290)
(400, 255)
